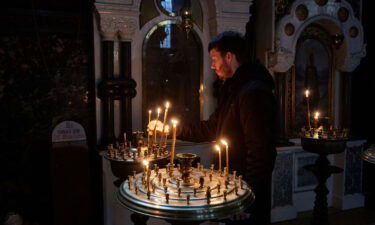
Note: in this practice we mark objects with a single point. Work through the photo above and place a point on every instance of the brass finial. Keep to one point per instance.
(226, 184)
(201, 181)
(208, 194)
(167, 197)
(188, 199)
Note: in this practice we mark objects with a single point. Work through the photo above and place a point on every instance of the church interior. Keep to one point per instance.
(81, 79)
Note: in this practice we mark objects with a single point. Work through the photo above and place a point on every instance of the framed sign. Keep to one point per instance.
(68, 131)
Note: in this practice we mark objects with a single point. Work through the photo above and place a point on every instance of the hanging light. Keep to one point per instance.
(186, 16)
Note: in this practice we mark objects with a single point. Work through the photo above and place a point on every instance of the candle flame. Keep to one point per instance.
(174, 122)
(224, 142)
(149, 111)
(166, 128)
(307, 92)
(217, 148)
(167, 105)
(159, 110)
(145, 162)
(316, 115)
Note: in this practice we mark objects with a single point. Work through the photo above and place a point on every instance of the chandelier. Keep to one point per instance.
(186, 17)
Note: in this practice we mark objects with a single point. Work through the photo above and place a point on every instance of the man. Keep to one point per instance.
(245, 116)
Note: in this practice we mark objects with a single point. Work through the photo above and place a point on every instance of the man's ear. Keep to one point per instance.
(229, 57)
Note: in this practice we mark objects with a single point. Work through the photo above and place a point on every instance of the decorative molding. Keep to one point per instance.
(352, 60)
(232, 15)
(281, 7)
(112, 25)
(117, 20)
(281, 58)
(224, 25)
(118, 8)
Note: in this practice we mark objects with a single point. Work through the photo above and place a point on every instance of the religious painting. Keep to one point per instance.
(312, 72)
(313, 69)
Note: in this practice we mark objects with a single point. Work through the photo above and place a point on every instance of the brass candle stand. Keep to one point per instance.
(186, 194)
(323, 142)
(126, 157)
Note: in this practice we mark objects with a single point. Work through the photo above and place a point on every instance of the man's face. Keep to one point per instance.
(220, 64)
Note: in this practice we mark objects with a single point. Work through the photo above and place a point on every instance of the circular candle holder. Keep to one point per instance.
(323, 146)
(126, 160)
(369, 155)
(210, 196)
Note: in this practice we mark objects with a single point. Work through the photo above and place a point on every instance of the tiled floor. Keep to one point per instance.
(359, 216)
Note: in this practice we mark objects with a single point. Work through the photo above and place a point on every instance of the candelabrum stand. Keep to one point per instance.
(186, 194)
(126, 161)
(322, 170)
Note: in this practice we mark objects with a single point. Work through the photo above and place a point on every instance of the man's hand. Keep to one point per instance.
(159, 127)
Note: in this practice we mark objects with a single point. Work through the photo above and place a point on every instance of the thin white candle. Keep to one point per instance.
(226, 153)
(145, 162)
(307, 92)
(174, 123)
(164, 121)
(157, 118)
(148, 133)
(219, 150)
(166, 135)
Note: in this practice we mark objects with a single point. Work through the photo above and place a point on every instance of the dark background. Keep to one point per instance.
(46, 76)
(362, 97)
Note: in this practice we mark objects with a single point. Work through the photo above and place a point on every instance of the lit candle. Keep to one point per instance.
(157, 118)
(226, 153)
(148, 133)
(174, 123)
(125, 139)
(145, 162)
(316, 119)
(219, 150)
(164, 121)
(166, 136)
(307, 92)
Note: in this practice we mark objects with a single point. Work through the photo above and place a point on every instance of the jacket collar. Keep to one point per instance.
(250, 72)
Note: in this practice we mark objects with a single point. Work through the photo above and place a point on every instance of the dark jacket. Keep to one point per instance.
(246, 117)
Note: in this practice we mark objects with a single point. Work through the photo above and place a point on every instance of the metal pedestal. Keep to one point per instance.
(322, 171)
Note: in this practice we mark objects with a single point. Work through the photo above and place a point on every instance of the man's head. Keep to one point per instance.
(227, 53)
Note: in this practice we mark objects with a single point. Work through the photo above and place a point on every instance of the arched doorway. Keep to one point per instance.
(172, 71)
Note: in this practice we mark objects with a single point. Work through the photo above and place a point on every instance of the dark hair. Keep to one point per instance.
(229, 41)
